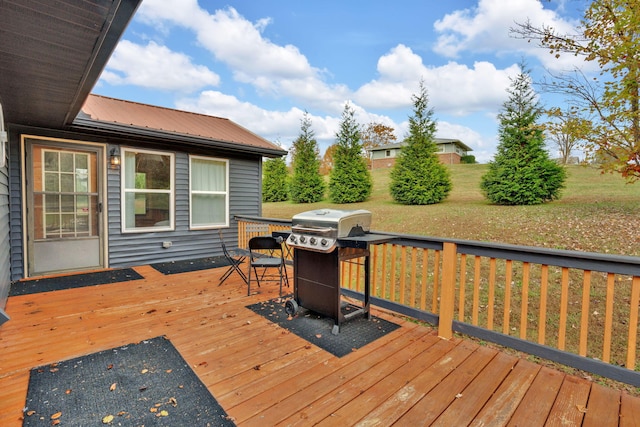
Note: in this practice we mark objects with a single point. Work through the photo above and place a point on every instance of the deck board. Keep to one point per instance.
(264, 375)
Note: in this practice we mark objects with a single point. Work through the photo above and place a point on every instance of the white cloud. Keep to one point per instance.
(274, 70)
(276, 126)
(453, 88)
(156, 67)
(485, 28)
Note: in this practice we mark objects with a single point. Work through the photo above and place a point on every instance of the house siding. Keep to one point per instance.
(5, 261)
(388, 162)
(131, 249)
(15, 206)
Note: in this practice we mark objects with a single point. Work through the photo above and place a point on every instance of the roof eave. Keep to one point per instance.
(121, 130)
(120, 16)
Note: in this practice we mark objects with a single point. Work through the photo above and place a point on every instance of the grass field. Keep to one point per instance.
(596, 213)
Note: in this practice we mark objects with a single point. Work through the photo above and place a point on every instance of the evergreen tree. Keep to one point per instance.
(275, 187)
(418, 177)
(307, 185)
(521, 172)
(349, 180)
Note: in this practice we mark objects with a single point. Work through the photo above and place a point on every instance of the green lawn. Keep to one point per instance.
(597, 213)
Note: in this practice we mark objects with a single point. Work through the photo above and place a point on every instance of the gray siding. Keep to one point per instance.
(15, 206)
(146, 248)
(5, 262)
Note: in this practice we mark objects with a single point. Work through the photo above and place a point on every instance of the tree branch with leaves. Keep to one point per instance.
(609, 35)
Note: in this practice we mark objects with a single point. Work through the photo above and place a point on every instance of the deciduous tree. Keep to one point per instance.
(377, 135)
(609, 35)
(566, 130)
(327, 160)
(349, 180)
(418, 177)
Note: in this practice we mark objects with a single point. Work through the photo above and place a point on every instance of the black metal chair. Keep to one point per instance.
(235, 259)
(265, 253)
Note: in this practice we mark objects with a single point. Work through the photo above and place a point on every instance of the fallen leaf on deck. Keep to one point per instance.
(110, 366)
(582, 408)
(29, 413)
(113, 387)
(144, 371)
(458, 396)
(318, 335)
(173, 401)
(162, 414)
(107, 419)
(56, 415)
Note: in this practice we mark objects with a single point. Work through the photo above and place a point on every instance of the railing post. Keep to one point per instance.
(447, 290)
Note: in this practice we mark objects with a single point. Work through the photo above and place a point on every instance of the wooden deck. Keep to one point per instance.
(264, 376)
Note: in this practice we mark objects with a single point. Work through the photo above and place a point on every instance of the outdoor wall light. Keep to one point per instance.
(114, 158)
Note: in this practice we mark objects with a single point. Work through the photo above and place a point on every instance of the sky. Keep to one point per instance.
(264, 63)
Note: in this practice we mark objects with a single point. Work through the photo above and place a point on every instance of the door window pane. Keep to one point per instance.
(51, 182)
(66, 162)
(51, 161)
(66, 183)
(67, 211)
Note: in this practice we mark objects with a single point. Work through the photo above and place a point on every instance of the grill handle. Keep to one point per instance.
(311, 230)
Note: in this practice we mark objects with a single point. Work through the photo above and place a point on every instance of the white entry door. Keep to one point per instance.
(63, 205)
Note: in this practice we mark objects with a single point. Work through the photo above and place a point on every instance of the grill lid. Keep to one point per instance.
(319, 230)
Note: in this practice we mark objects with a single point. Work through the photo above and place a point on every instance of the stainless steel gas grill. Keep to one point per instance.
(321, 239)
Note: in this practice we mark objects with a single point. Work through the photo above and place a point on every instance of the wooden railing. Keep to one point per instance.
(575, 308)
(249, 227)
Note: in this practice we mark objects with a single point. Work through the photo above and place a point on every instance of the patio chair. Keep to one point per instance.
(235, 258)
(266, 255)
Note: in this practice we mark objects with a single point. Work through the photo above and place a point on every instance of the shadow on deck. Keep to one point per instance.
(263, 375)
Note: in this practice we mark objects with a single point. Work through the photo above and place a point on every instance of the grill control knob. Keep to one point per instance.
(303, 239)
(313, 241)
(293, 239)
(323, 242)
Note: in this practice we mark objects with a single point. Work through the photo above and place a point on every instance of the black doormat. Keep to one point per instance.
(143, 384)
(315, 328)
(174, 267)
(27, 287)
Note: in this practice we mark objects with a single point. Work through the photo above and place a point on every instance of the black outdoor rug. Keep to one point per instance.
(315, 328)
(144, 384)
(174, 267)
(73, 281)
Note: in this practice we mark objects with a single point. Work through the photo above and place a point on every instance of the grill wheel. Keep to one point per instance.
(291, 307)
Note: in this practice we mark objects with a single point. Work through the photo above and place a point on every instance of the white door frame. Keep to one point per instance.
(101, 174)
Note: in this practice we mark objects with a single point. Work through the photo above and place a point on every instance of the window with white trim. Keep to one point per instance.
(208, 192)
(147, 190)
